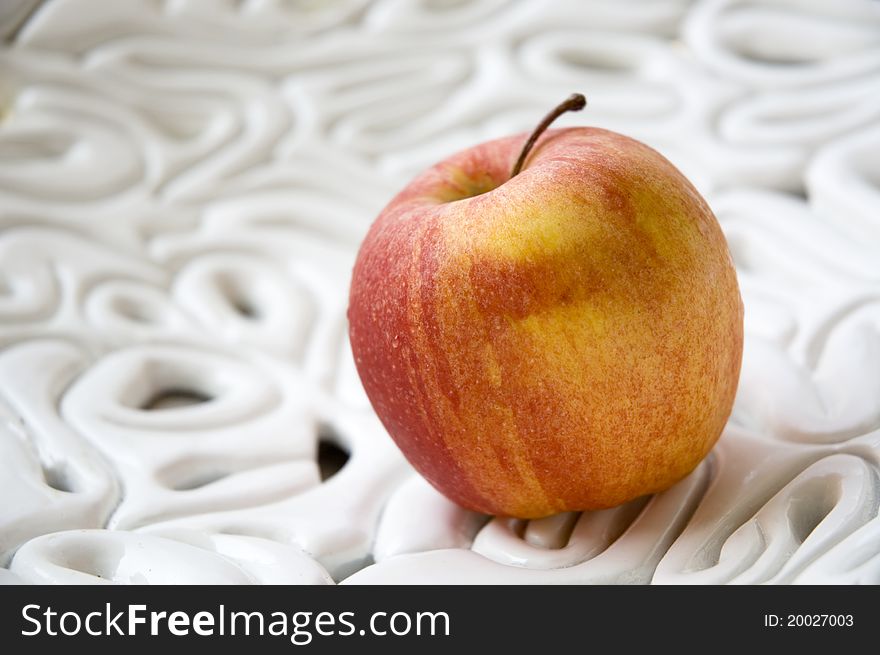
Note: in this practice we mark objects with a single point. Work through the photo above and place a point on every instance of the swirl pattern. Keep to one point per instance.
(183, 187)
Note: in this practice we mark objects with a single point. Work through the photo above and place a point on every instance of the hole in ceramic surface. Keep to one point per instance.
(759, 42)
(791, 115)
(332, 457)
(800, 194)
(761, 56)
(58, 477)
(379, 125)
(517, 526)
(239, 297)
(811, 503)
(137, 312)
(35, 145)
(595, 61)
(175, 399)
(162, 382)
(771, 33)
(177, 123)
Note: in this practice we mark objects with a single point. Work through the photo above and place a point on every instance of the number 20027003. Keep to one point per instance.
(808, 620)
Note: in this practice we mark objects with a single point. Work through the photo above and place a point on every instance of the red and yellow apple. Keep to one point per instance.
(568, 338)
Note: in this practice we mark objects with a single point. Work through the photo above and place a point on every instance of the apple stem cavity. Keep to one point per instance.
(575, 102)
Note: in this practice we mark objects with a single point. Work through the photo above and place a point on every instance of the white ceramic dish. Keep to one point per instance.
(183, 186)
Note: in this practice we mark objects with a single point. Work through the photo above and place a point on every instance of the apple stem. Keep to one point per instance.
(575, 102)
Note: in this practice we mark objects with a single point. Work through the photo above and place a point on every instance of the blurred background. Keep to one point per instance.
(183, 188)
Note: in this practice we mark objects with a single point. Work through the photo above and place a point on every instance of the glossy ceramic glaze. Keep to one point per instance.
(183, 187)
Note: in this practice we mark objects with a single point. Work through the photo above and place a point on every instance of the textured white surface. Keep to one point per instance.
(183, 186)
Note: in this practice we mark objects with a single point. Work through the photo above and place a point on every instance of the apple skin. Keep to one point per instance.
(566, 339)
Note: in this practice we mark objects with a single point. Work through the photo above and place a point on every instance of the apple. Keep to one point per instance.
(549, 327)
